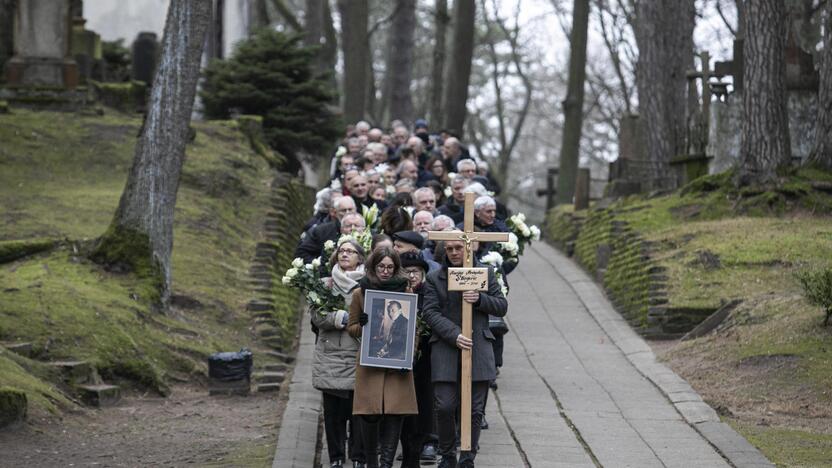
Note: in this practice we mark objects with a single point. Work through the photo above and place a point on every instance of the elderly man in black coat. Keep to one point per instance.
(443, 313)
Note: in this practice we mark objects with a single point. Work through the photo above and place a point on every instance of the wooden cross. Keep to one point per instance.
(468, 236)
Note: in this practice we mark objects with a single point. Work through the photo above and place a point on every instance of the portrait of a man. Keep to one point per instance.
(391, 330)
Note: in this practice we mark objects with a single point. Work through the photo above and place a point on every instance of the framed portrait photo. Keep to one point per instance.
(388, 338)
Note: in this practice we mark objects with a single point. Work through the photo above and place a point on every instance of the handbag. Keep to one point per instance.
(497, 325)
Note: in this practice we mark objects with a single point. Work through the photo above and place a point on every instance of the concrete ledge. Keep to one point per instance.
(738, 451)
(297, 438)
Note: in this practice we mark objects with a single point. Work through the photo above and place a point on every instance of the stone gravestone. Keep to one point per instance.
(85, 46)
(627, 172)
(7, 9)
(145, 55)
(41, 45)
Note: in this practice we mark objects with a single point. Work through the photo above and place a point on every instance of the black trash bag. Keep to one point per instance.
(229, 366)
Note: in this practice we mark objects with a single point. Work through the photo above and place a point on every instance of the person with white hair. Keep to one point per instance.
(466, 168)
(322, 208)
(311, 246)
(408, 170)
(362, 128)
(439, 223)
(485, 215)
(425, 200)
(422, 222)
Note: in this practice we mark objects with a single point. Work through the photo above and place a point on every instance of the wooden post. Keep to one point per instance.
(468, 236)
(582, 190)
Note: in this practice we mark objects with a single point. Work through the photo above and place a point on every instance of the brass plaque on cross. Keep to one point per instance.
(467, 279)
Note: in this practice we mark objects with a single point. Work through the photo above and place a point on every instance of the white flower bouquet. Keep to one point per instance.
(524, 233)
(495, 260)
(306, 278)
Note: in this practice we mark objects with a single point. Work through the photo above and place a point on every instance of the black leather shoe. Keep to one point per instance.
(447, 462)
(428, 453)
(358, 464)
(337, 464)
(483, 423)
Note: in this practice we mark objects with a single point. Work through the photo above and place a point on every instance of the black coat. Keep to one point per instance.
(452, 210)
(443, 313)
(312, 244)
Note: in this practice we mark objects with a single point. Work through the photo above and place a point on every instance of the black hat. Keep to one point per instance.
(411, 237)
(410, 259)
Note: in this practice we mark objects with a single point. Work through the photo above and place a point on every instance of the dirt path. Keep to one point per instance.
(187, 428)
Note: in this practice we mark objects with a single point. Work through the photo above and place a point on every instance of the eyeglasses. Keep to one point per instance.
(383, 267)
(347, 251)
(413, 272)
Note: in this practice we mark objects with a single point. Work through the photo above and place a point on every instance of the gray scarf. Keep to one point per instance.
(343, 282)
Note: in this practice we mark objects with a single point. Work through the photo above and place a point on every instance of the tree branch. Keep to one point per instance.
(287, 15)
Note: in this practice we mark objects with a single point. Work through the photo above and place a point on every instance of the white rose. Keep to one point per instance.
(390, 189)
(535, 232)
(297, 263)
(308, 266)
(316, 263)
(526, 231)
(448, 191)
(329, 245)
(313, 297)
(521, 217)
(286, 280)
(291, 272)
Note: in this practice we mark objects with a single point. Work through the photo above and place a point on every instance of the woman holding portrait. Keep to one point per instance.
(382, 396)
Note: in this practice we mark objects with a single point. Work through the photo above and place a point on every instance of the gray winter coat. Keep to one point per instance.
(335, 353)
(443, 312)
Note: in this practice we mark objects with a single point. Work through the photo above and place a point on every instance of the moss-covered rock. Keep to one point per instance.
(13, 406)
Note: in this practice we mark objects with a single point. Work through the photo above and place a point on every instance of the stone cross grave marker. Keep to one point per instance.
(467, 282)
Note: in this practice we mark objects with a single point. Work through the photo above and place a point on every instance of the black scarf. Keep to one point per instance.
(395, 284)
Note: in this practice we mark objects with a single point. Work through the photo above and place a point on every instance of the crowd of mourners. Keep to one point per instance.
(369, 231)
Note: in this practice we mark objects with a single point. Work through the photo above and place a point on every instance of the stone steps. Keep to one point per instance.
(267, 387)
(22, 349)
(100, 395)
(267, 377)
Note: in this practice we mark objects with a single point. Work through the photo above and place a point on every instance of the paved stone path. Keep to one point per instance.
(580, 389)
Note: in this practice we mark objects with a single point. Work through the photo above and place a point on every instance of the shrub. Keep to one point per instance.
(817, 288)
(272, 75)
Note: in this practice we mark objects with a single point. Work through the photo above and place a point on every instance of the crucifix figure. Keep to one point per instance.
(467, 278)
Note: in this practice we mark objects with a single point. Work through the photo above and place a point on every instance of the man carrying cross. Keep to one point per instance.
(462, 357)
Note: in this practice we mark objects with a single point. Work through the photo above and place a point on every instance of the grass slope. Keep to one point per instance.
(767, 368)
(61, 176)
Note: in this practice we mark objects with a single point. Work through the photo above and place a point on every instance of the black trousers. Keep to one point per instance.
(419, 429)
(337, 413)
(446, 396)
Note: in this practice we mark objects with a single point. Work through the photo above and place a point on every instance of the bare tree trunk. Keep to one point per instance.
(573, 106)
(329, 52)
(140, 236)
(765, 143)
(313, 27)
(459, 71)
(821, 155)
(664, 33)
(258, 16)
(439, 52)
(354, 14)
(400, 71)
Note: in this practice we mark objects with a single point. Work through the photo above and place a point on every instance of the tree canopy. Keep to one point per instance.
(272, 75)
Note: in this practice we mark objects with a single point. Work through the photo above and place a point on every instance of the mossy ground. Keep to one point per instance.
(769, 364)
(61, 176)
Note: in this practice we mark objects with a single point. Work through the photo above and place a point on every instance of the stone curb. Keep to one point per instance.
(738, 451)
(297, 438)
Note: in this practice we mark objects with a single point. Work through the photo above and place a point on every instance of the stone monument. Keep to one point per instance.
(145, 55)
(42, 45)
